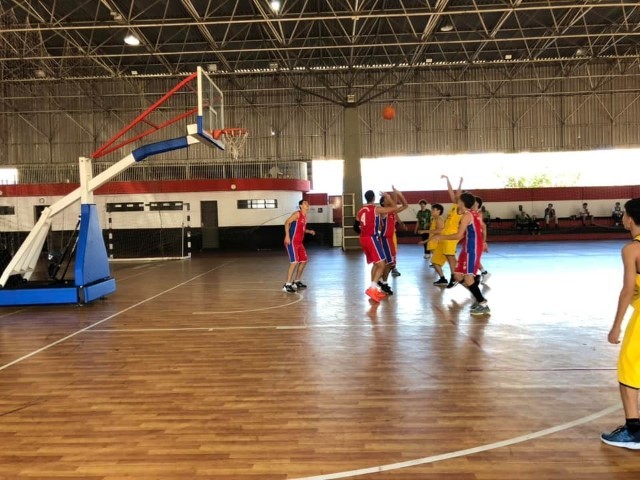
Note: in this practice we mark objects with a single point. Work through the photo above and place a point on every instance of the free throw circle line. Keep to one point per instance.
(300, 297)
(464, 453)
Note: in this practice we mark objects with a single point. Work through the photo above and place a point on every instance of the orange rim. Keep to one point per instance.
(230, 132)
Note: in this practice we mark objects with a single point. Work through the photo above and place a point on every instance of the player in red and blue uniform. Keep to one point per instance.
(470, 230)
(294, 230)
(368, 220)
(387, 235)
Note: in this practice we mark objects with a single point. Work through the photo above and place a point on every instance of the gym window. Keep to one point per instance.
(257, 203)
(157, 206)
(125, 207)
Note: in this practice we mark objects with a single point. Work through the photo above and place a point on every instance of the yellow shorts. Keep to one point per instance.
(629, 360)
(443, 249)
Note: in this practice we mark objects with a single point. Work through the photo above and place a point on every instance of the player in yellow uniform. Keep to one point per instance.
(628, 435)
(435, 226)
(445, 251)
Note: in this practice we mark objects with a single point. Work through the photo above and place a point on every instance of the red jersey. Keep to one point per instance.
(388, 225)
(472, 241)
(369, 221)
(297, 228)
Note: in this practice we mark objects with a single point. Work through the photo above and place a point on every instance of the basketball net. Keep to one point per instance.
(234, 140)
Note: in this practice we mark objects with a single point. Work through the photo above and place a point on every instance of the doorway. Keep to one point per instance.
(209, 224)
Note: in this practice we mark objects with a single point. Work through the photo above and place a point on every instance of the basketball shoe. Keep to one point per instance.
(385, 288)
(622, 437)
(481, 309)
(287, 287)
(374, 294)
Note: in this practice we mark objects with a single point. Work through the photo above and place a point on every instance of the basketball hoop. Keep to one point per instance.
(234, 140)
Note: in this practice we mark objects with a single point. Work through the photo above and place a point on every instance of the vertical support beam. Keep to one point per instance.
(352, 181)
(188, 251)
(86, 174)
(110, 236)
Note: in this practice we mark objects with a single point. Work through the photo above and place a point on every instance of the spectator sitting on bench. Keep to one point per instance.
(550, 216)
(585, 215)
(616, 213)
(522, 219)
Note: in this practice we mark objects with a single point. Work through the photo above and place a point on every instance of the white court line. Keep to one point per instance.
(14, 312)
(300, 298)
(64, 339)
(468, 451)
(263, 327)
(206, 329)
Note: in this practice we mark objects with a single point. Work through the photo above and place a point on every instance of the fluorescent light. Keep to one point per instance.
(508, 56)
(275, 6)
(132, 40)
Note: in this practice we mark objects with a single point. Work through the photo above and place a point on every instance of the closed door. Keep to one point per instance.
(209, 219)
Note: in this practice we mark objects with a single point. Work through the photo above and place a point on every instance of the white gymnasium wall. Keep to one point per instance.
(228, 213)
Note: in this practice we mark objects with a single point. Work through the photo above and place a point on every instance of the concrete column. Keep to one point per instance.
(352, 182)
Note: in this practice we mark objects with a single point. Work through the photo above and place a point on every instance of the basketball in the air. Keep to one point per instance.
(388, 112)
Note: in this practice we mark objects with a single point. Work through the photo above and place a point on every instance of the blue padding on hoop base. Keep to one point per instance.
(92, 262)
(92, 292)
(145, 151)
(39, 296)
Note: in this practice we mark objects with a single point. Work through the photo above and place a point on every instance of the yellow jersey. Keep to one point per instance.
(452, 222)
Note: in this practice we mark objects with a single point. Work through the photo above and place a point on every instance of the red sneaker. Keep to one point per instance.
(373, 294)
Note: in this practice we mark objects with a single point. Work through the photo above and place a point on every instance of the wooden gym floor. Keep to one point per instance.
(205, 369)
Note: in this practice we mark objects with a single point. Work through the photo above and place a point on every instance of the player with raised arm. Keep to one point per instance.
(387, 233)
(294, 230)
(445, 251)
(368, 219)
(470, 231)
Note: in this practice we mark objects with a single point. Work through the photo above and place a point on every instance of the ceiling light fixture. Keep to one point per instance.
(40, 73)
(447, 27)
(508, 56)
(275, 5)
(132, 40)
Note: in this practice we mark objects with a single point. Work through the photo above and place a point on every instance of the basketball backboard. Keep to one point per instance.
(210, 110)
